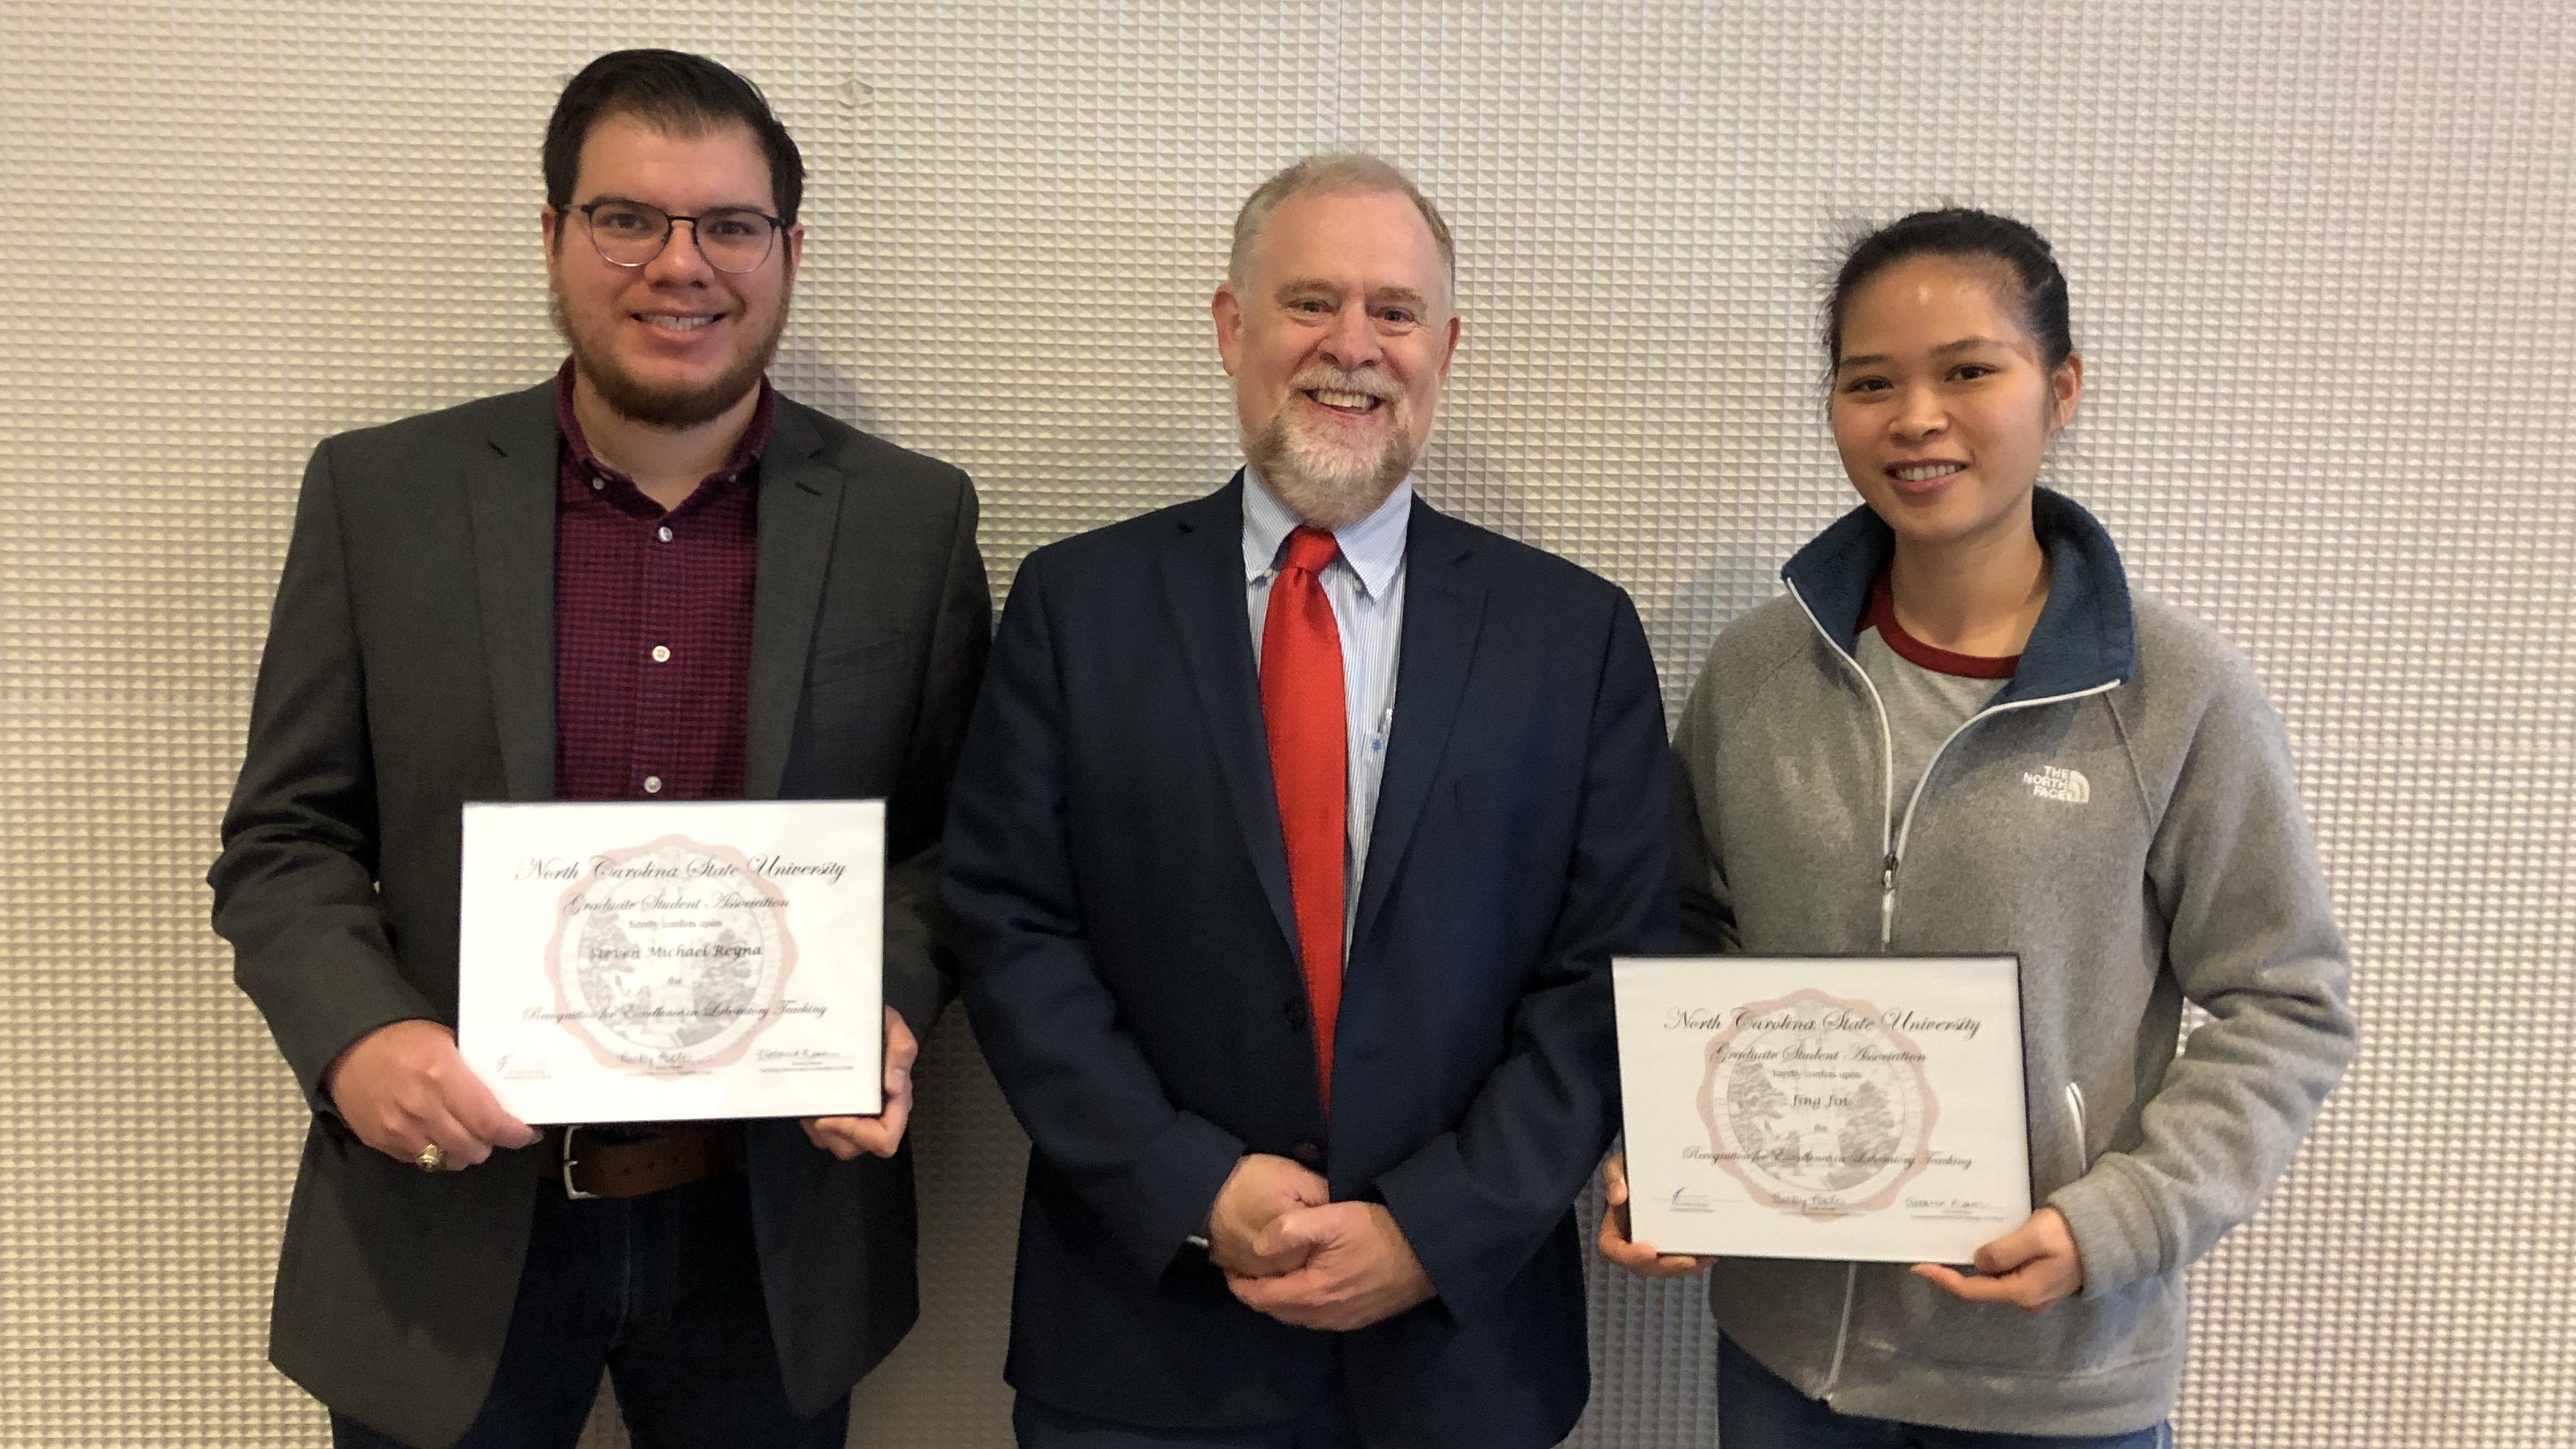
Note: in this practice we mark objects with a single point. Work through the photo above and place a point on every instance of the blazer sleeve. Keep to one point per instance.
(1079, 1082)
(920, 960)
(1476, 1202)
(295, 884)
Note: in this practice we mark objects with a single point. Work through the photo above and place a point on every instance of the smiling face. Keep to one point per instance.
(1338, 334)
(1943, 405)
(673, 343)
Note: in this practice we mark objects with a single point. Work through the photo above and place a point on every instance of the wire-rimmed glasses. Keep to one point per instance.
(733, 239)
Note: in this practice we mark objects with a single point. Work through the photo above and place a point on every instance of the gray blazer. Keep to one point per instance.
(410, 669)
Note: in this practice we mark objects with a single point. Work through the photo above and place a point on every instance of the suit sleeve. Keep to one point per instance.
(1476, 1202)
(920, 962)
(295, 884)
(1078, 1081)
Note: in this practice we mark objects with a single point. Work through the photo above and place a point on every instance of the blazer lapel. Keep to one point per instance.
(1444, 606)
(1203, 579)
(800, 506)
(510, 506)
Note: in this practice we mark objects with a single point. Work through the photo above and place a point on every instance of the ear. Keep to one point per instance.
(1226, 309)
(550, 225)
(795, 239)
(1448, 347)
(2065, 390)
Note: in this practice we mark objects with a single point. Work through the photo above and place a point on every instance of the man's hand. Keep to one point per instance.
(1358, 1268)
(1260, 1188)
(847, 1137)
(1614, 1242)
(403, 1087)
(2030, 1267)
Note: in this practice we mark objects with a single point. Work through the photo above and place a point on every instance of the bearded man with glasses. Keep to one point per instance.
(649, 578)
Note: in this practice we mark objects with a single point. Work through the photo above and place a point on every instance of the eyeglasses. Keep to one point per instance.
(732, 238)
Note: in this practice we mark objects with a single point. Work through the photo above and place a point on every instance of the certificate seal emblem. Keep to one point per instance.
(670, 958)
(1817, 1105)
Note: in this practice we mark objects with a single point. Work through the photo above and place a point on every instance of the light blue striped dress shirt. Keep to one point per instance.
(1366, 588)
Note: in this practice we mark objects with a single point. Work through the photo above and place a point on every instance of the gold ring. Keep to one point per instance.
(431, 1158)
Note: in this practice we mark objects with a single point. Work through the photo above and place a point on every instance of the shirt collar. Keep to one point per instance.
(746, 449)
(1373, 548)
(2086, 637)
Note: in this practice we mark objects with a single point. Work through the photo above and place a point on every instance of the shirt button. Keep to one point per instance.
(663, 533)
(596, 484)
(652, 784)
(661, 653)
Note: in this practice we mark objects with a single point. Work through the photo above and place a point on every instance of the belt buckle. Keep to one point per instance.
(569, 1162)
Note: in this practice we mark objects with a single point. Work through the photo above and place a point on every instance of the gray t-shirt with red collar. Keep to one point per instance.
(1927, 692)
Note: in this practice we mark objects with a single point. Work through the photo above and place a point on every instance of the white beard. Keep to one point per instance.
(1324, 481)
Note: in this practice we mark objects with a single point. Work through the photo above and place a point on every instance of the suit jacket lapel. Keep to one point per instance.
(800, 505)
(1203, 579)
(510, 506)
(1444, 606)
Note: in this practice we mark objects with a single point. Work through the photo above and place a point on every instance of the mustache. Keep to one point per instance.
(1368, 381)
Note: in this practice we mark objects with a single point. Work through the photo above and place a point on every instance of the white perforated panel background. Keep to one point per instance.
(2320, 261)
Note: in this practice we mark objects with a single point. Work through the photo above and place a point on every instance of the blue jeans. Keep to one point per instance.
(1758, 1409)
(1329, 1426)
(662, 1291)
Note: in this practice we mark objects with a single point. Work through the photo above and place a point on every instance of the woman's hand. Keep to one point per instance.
(1638, 1258)
(2030, 1267)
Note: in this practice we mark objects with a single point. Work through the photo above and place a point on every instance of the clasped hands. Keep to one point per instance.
(1289, 1251)
(404, 1088)
(2030, 1267)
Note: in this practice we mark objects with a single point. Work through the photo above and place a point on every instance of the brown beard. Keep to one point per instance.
(671, 408)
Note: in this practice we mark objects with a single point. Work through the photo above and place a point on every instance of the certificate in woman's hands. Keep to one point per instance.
(653, 962)
(1866, 1107)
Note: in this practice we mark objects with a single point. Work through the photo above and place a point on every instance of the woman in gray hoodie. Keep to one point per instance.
(1959, 733)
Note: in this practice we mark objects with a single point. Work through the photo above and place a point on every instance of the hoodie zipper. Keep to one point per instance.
(1886, 931)
(1893, 834)
(1893, 837)
(1842, 1330)
(1887, 844)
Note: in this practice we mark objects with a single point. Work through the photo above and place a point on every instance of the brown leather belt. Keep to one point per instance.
(630, 1161)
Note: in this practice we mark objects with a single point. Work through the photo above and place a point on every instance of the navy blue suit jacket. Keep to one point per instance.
(1119, 892)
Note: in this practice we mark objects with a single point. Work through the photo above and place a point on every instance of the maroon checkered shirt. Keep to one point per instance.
(652, 623)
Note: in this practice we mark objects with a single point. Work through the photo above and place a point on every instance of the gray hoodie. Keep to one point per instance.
(2123, 817)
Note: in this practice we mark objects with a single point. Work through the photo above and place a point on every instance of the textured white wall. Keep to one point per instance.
(2320, 262)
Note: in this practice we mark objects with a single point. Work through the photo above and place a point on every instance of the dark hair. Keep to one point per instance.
(1964, 233)
(686, 95)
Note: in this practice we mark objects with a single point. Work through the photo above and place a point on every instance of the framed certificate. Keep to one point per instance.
(1861, 1107)
(652, 962)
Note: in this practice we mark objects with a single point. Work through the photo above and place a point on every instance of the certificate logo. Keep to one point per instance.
(1817, 1105)
(670, 958)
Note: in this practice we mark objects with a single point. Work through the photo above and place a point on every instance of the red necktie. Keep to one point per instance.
(1301, 704)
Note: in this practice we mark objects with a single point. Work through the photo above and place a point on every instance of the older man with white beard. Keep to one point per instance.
(1295, 830)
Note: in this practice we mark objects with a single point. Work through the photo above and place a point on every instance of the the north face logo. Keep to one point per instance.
(2048, 782)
